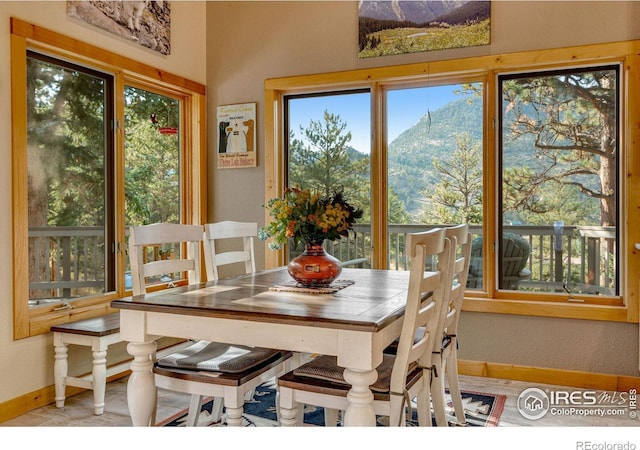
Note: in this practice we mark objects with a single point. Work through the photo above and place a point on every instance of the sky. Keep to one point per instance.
(405, 107)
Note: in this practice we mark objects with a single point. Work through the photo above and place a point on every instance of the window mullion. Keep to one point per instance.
(119, 176)
(380, 252)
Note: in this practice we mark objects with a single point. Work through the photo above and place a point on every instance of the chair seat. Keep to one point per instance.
(322, 374)
(245, 363)
(217, 357)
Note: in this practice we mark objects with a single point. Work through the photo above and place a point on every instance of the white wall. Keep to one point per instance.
(249, 42)
(27, 365)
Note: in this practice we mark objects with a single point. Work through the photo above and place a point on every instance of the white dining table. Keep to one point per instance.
(355, 323)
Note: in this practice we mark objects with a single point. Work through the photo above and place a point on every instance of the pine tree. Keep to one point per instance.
(324, 161)
(457, 198)
(571, 121)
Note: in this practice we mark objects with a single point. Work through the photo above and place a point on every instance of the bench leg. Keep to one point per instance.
(99, 380)
(60, 371)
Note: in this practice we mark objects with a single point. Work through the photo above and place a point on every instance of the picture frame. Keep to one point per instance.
(237, 136)
(411, 26)
(147, 23)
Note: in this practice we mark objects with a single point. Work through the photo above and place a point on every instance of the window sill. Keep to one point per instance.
(41, 323)
(548, 309)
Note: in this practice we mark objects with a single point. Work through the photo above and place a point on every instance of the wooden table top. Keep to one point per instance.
(375, 299)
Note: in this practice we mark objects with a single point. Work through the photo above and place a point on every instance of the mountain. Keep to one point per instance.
(411, 10)
(411, 154)
(470, 11)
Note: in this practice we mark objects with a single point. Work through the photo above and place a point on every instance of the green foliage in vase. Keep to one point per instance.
(305, 215)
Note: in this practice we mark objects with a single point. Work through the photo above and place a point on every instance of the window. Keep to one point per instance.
(328, 149)
(97, 147)
(434, 161)
(152, 169)
(527, 147)
(559, 189)
(70, 160)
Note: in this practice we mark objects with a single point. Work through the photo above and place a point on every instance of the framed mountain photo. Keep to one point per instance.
(410, 26)
(147, 23)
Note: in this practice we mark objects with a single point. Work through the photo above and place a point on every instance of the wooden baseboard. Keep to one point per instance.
(584, 380)
(560, 377)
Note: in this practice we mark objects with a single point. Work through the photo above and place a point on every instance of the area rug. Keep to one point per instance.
(481, 410)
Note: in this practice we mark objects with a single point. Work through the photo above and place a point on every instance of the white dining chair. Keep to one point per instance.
(166, 235)
(445, 358)
(204, 368)
(215, 255)
(239, 239)
(401, 376)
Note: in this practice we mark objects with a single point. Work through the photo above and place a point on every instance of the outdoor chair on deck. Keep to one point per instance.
(204, 368)
(401, 376)
(515, 254)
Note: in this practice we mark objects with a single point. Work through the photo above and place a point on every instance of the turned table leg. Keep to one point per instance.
(141, 388)
(360, 411)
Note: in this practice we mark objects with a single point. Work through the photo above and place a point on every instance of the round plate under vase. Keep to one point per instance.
(314, 267)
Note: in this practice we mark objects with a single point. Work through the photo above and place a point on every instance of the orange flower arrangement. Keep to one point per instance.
(304, 215)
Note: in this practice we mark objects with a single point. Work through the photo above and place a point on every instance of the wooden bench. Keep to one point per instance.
(97, 333)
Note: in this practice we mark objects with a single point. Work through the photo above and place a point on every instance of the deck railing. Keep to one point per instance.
(577, 259)
(69, 261)
(65, 262)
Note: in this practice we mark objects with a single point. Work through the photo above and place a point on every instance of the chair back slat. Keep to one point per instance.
(231, 257)
(168, 266)
(163, 233)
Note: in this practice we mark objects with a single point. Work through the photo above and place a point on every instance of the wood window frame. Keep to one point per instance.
(485, 69)
(26, 36)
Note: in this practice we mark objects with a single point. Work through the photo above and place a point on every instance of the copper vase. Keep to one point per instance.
(314, 267)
